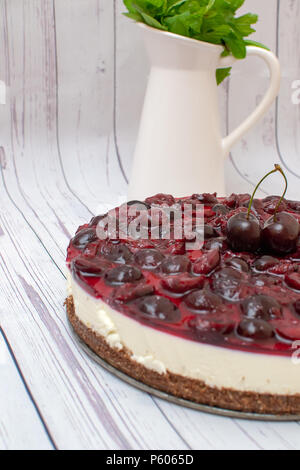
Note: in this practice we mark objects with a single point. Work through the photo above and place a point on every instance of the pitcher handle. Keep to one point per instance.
(271, 94)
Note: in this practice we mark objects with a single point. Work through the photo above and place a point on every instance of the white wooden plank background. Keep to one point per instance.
(76, 74)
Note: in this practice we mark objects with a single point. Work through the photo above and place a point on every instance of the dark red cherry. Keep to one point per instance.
(161, 199)
(220, 209)
(158, 308)
(84, 237)
(182, 283)
(297, 306)
(262, 280)
(243, 232)
(256, 206)
(175, 264)
(206, 198)
(209, 232)
(139, 204)
(95, 220)
(91, 267)
(227, 283)
(294, 205)
(262, 307)
(238, 263)
(118, 253)
(255, 329)
(293, 280)
(265, 262)
(148, 259)
(220, 320)
(280, 234)
(203, 301)
(270, 204)
(126, 293)
(123, 274)
(208, 262)
(232, 201)
(216, 243)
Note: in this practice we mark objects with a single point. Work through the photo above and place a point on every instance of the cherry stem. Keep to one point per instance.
(277, 168)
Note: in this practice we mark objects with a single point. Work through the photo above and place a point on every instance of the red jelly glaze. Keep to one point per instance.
(169, 271)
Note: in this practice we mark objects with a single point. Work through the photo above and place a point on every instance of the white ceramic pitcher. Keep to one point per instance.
(180, 149)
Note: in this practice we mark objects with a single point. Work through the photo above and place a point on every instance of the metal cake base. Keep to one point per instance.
(172, 398)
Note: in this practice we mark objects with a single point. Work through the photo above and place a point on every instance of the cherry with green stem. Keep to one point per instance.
(276, 169)
(281, 231)
(279, 234)
(243, 232)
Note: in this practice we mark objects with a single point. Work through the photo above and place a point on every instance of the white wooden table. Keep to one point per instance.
(76, 73)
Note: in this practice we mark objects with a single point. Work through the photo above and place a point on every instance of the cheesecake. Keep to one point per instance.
(206, 323)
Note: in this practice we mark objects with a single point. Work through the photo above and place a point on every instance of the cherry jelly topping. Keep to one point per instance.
(216, 295)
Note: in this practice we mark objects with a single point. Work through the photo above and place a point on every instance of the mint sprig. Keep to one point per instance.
(212, 21)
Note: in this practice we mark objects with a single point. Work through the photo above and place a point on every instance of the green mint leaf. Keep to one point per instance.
(213, 21)
(178, 24)
(249, 42)
(243, 24)
(150, 7)
(217, 35)
(175, 4)
(221, 74)
(134, 16)
(150, 21)
(210, 5)
(225, 53)
(236, 4)
(236, 46)
(129, 5)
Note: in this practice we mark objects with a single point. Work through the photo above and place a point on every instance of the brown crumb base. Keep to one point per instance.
(183, 387)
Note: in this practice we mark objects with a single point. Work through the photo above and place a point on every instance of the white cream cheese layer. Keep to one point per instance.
(216, 366)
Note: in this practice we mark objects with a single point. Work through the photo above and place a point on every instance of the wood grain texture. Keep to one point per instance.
(18, 407)
(76, 74)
